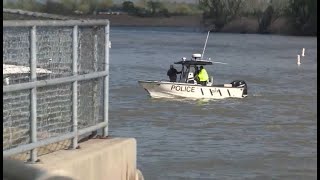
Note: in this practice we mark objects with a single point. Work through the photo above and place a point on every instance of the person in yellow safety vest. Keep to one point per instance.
(203, 76)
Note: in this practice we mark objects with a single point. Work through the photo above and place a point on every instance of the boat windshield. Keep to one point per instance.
(185, 72)
(189, 66)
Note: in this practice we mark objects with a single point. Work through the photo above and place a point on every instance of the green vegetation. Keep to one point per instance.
(149, 9)
(302, 14)
(159, 9)
(220, 12)
(143, 8)
(65, 7)
(29, 5)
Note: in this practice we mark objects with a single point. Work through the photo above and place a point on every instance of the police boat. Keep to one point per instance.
(187, 86)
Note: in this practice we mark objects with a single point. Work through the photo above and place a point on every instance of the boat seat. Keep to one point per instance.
(190, 75)
(191, 79)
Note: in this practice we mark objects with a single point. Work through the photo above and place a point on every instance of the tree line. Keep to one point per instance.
(143, 8)
(301, 14)
(64, 7)
(156, 8)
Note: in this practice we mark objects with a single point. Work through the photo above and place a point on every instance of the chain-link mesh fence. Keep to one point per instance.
(55, 51)
(16, 118)
(16, 55)
(89, 106)
(55, 46)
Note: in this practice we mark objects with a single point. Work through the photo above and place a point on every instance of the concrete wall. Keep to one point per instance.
(113, 159)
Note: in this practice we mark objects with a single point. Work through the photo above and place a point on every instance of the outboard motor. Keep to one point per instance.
(240, 83)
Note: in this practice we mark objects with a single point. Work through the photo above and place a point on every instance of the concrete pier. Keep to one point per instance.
(96, 159)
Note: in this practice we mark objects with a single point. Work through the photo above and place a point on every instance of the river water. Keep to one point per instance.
(271, 134)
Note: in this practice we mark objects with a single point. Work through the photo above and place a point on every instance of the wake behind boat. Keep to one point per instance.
(188, 87)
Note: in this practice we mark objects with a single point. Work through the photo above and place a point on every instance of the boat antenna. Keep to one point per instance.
(205, 44)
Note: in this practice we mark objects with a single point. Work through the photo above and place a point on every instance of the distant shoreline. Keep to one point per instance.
(127, 20)
(241, 25)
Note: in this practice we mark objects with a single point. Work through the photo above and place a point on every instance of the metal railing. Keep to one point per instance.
(72, 87)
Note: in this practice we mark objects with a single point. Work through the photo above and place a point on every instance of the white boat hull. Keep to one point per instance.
(164, 89)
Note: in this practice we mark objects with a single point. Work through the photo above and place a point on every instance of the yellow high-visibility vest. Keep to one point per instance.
(203, 75)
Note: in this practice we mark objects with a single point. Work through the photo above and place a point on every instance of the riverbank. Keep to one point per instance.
(251, 25)
(238, 25)
(173, 21)
(243, 25)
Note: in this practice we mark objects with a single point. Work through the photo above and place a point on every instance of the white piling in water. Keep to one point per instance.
(298, 60)
(6, 81)
(303, 50)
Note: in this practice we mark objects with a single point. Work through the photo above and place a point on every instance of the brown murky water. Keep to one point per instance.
(271, 134)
